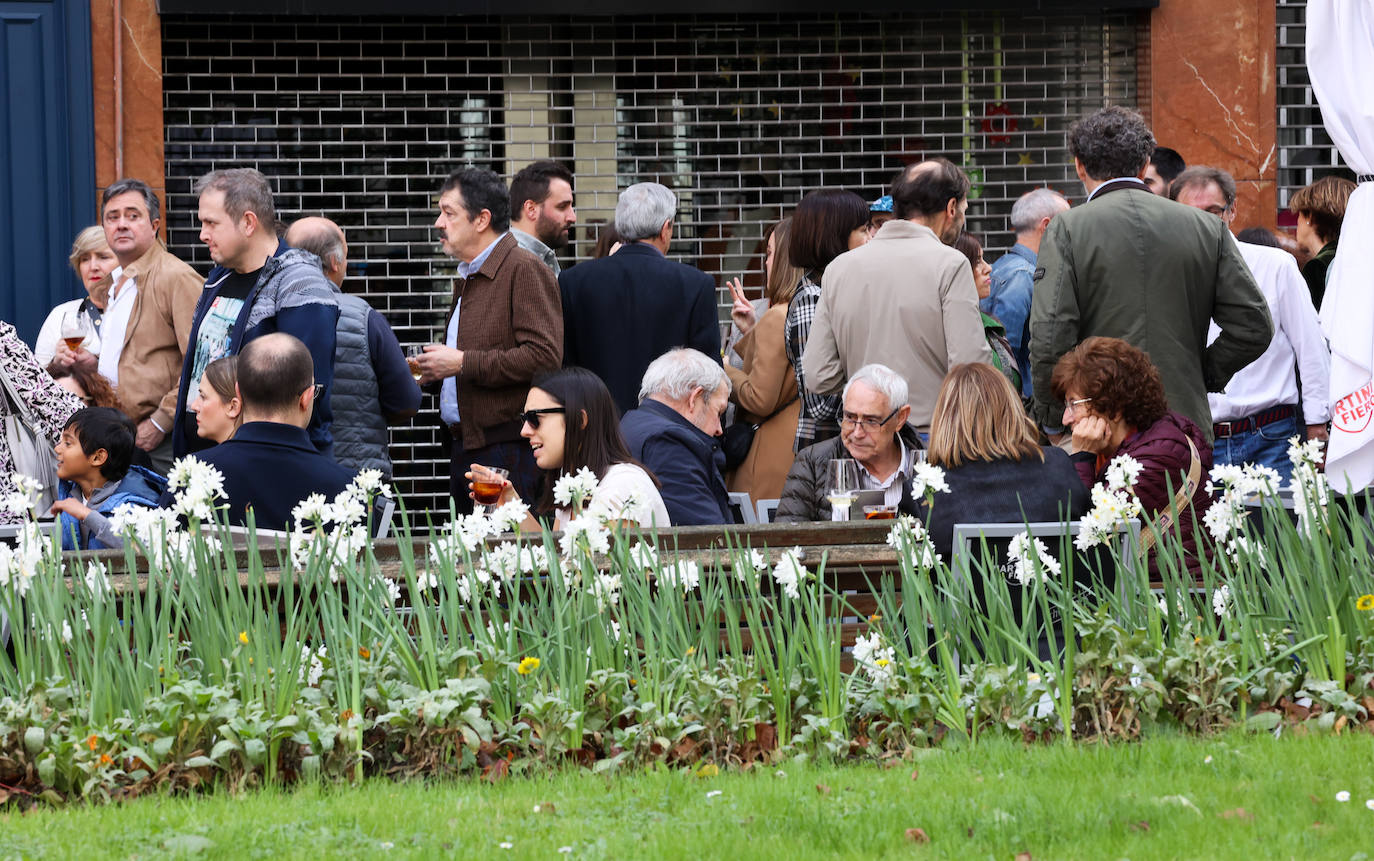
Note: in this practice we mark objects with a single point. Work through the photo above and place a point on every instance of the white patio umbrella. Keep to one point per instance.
(1340, 61)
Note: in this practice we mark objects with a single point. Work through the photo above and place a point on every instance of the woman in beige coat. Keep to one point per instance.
(766, 388)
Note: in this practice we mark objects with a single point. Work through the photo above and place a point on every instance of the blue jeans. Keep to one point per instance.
(1264, 446)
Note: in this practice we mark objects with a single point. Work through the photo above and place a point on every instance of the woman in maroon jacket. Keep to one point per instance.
(1114, 403)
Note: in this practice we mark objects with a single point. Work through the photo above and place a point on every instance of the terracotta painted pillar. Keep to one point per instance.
(140, 33)
(1211, 94)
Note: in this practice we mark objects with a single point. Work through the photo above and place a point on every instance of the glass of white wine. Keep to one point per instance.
(842, 486)
(413, 354)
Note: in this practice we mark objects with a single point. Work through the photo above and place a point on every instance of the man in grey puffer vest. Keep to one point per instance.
(373, 386)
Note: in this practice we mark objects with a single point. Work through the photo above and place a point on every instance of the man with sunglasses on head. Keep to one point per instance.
(270, 465)
(874, 433)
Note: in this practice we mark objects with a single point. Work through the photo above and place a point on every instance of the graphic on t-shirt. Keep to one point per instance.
(212, 342)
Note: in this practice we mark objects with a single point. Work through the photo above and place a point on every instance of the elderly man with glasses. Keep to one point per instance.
(874, 433)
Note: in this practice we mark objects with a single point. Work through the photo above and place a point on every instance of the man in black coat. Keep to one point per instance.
(270, 465)
(623, 311)
(675, 432)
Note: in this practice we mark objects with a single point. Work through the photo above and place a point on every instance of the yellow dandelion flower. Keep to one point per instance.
(876, 617)
(243, 637)
(1365, 603)
(691, 650)
(882, 662)
(364, 653)
(710, 769)
(527, 666)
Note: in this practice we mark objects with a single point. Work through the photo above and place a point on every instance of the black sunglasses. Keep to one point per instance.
(532, 417)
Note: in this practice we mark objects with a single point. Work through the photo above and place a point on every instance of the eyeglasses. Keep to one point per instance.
(316, 390)
(1072, 406)
(851, 420)
(533, 417)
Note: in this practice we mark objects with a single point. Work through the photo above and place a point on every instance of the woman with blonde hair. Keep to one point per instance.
(92, 259)
(765, 389)
(996, 469)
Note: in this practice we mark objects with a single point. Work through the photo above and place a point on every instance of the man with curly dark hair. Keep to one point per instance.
(1132, 265)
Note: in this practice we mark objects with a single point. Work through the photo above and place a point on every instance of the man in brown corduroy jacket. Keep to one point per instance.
(505, 326)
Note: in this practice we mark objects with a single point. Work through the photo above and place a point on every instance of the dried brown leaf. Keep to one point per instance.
(1142, 826)
(1239, 813)
(822, 789)
(915, 773)
(1023, 856)
(917, 835)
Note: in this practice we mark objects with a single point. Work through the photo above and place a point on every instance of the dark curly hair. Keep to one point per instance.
(1112, 142)
(1120, 378)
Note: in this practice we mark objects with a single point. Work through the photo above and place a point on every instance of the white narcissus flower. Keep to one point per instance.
(927, 478)
(680, 572)
(66, 631)
(574, 489)
(584, 532)
(1030, 559)
(644, 556)
(511, 516)
(875, 658)
(96, 578)
(369, 483)
(789, 572)
(1122, 472)
(1221, 600)
(310, 511)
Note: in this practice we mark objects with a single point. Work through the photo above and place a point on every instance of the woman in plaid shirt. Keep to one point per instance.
(827, 223)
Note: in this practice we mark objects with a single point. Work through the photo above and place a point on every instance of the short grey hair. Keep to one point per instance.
(319, 240)
(643, 209)
(1202, 176)
(881, 379)
(1035, 205)
(677, 372)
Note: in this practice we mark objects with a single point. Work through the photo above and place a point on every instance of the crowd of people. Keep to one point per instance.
(1133, 323)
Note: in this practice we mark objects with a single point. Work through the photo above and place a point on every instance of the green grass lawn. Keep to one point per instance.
(1235, 796)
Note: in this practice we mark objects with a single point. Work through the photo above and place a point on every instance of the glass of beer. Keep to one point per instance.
(880, 512)
(487, 483)
(74, 330)
(413, 354)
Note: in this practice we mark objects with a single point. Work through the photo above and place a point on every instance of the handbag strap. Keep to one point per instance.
(18, 406)
(1149, 535)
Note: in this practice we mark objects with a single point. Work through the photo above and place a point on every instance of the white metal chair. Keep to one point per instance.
(742, 507)
(768, 510)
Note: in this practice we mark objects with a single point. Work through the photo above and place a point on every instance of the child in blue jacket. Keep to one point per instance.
(95, 478)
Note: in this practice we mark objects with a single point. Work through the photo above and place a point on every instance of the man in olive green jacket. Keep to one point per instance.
(1129, 264)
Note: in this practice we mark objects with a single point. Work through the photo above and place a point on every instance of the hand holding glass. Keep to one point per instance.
(74, 330)
(413, 354)
(487, 484)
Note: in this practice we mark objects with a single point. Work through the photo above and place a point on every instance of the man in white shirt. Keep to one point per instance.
(1258, 412)
(147, 318)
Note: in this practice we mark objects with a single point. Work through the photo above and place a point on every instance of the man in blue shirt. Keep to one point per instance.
(1009, 298)
(675, 432)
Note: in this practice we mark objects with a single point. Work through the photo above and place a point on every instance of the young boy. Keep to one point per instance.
(93, 465)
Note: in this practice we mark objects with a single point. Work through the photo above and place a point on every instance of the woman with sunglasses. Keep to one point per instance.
(572, 423)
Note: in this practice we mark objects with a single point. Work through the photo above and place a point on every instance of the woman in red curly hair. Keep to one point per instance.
(1114, 403)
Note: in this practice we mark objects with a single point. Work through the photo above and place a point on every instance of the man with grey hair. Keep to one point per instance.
(1129, 264)
(1009, 297)
(1263, 405)
(373, 386)
(259, 285)
(874, 432)
(146, 324)
(675, 433)
(621, 312)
